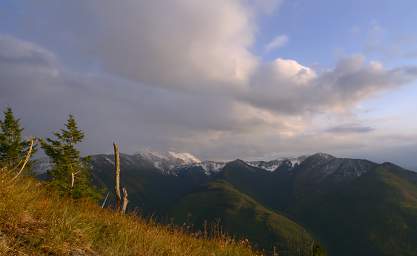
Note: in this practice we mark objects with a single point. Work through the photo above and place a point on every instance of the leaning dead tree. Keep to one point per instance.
(119, 206)
(105, 200)
(29, 153)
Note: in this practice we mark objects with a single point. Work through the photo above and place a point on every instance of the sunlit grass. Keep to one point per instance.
(36, 221)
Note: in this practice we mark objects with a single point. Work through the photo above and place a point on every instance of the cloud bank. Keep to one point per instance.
(180, 75)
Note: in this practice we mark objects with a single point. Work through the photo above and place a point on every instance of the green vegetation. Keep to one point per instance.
(13, 147)
(239, 214)
(70, 173)
(369, 215)
(35, 220)
(375, 214)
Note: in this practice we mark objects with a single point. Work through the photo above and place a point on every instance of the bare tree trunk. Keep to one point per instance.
(26, 159)
(117, 175)
(125, 200)
(72, 179)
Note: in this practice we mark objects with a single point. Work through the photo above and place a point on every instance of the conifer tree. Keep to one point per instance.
(70, 173)
(13, 148)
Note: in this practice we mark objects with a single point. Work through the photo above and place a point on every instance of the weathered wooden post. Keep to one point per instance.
(117, 175)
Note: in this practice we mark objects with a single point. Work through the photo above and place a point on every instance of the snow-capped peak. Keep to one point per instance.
(152, 155)
(168, 161)
(186, 158)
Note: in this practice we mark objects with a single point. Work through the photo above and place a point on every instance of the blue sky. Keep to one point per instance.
(208, 77)
(334, 28)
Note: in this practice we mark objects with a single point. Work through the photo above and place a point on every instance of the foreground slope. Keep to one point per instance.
(35, 221)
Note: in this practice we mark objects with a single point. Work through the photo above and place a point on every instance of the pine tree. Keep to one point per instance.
(13, 148)
(70, 173)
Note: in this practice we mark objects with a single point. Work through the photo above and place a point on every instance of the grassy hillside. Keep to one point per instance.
(35, 221)
(241, 215)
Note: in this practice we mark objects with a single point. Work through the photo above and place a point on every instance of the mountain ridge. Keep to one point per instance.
(171, 163)
(344, 203)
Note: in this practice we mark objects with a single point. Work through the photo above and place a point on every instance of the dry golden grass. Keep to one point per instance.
(35, 221)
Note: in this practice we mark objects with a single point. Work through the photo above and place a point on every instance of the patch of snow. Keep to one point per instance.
(169, 161)
(272, 165)
(210, 167)
(152, 155)
(157, 165)
(268, 166)
(187, 158)
(109, 160)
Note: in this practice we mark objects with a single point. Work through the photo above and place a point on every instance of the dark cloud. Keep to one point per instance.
(350, 128)
(110, 109)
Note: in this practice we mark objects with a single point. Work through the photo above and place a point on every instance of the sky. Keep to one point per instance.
(221, 79)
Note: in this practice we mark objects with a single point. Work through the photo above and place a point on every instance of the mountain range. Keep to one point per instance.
(347, 206)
